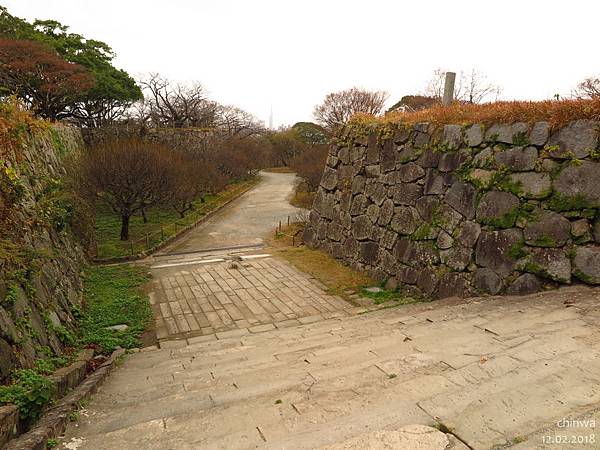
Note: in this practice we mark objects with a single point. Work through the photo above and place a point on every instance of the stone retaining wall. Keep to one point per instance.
(40, 260)
(461, 210)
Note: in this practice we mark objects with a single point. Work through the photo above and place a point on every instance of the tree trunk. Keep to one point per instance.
(145, 219)
(124, 228)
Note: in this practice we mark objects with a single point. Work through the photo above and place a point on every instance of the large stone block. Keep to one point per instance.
(461, 197)
(447, 218)
(322, 230)
(427, 206)
(468, 234)
(410, 172)
(351, 248)
(428, 281)
(377, 192)
(457, 258)
(309, 236)
(581, 231)
(435, 184)
(405, 220)
(539, 133)
(474, 135)
(402, 134)
(388, 239)
(406, 193)
(359, 205)
(334, 231)
(586, 264)
(533, 184)
(451, 161)
(358, 185)
(386, 212)
(9, 420)
(493, 250)
(524, 285)
(388, 156)
(372, 171)
(415, 253)
(452, 285)
(429, 158)
(324, 203)
(547, 229)
(484, 158)
(580, 181)
(452, 136)
(505, 133)
(332, 161)
(387, 262)
(369, 252)
(373, 212)
(361, 228)
(406, 274)
(498, 208)
(551, 263)
(517, 158)
(329, 179)
(408, 153)
(488, 281)
(444, 241)
(373, 150)
(576, 139)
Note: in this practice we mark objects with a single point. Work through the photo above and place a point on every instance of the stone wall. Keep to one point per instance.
(188, 139)
(462, 210)
(40, 260)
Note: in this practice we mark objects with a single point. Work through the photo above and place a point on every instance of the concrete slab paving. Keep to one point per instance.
(357, 381)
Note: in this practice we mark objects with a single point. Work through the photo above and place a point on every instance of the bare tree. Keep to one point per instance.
(339, 107)
(129, 175)
(471, 87)
(176, 105)
(233, 121)
(588, 88)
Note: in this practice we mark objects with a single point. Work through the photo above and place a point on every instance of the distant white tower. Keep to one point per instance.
(271, 119)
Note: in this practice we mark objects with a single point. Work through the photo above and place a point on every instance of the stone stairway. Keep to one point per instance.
(490, 373)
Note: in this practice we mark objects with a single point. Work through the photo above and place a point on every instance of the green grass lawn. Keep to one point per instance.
(113, 297)
(162, 223)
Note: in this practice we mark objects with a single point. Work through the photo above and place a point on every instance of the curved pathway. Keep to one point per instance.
(247, 220)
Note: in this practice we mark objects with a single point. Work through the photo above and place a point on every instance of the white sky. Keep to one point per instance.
(258, 53)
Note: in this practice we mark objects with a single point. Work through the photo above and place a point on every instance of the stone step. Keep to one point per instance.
(476, 413)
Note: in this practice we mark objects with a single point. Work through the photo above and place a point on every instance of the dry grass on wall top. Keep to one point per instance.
(557, 112)
(15, 122)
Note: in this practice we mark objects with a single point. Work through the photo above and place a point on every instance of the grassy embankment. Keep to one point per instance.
(162, 223)
(112, 296)
(340, 279)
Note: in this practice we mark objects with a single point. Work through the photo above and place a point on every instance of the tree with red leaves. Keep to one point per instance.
(38, 76)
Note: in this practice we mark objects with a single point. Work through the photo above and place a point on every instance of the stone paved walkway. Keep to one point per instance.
(202, 298)
(495, 372)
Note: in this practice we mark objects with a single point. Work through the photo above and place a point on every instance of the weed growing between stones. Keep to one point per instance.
(561, 203)
(386, 295)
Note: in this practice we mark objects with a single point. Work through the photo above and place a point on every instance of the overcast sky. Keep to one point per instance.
(258, 53)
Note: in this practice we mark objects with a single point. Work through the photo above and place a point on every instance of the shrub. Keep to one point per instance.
(30, 392)
(309, 165)
(557, 112)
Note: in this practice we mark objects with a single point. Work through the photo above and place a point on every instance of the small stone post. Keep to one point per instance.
(449, 89)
